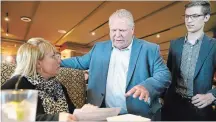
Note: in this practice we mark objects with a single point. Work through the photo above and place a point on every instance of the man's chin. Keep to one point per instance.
(191, 31)
(118, 46)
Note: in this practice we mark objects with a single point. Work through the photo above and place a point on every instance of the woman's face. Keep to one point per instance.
(49, 65)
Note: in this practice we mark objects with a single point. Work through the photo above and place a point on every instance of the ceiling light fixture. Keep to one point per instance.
(62, 31)
(158, 36)
(6, 18)
(25, 19)
(93, 33)
(7, 25)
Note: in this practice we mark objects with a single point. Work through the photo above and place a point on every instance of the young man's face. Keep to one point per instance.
(195, 19)
(121, 33)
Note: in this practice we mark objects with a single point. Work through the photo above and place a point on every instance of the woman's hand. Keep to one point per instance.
(66, 117)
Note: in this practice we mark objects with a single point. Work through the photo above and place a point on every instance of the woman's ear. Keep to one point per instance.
(38, 64)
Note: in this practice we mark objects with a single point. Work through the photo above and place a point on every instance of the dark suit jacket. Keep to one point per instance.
(40, 116)
(205, 66)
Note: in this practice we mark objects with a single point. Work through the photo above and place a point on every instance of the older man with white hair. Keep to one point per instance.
(124, 71)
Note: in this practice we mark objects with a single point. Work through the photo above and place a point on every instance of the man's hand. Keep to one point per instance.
(202, 100)
(139, 91)
(88, 107)
(66, 117)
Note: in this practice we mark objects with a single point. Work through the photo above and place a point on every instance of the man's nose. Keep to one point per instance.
(118, 33)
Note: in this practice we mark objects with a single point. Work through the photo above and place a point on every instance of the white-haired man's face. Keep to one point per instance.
(121, 33)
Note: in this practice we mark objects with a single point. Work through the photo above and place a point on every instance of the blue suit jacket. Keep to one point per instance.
(204, 71)
(146, 68)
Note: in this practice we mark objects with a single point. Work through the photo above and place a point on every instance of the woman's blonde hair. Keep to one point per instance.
(29, 53)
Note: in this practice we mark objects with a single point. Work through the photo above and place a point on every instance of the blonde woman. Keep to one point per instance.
(37, 64)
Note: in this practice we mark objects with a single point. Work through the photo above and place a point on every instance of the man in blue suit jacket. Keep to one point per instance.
(192, 62)
(124, 66)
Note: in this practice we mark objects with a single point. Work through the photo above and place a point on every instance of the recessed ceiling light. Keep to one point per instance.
(62, 31)
(158, 36)
(6, 19)
(93, 33)
(25, 19)
(7, 34)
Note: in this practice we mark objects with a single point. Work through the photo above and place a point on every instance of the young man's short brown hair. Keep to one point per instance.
(206, 8)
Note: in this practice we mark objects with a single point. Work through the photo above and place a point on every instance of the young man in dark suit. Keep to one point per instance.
(192, 62)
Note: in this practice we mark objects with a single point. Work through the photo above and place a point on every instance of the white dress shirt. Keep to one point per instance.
(116, 79)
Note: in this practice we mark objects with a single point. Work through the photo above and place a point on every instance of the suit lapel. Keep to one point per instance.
(179, 48)
(106, 59)
(203, 53)
(136, 47)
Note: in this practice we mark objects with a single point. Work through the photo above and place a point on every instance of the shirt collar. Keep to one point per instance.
(199, 39)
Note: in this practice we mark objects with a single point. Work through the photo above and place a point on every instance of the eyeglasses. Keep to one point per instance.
(56, 56)
(193, 16)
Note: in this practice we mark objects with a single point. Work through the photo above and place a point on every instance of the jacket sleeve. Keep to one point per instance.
(213, 91)
(169, 65)
(10, 83)
(80, 62)
(47, 117)
(160, 79)
(42, 116)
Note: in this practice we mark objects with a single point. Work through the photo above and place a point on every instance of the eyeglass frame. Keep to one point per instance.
(56, 56)
(193, 16)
